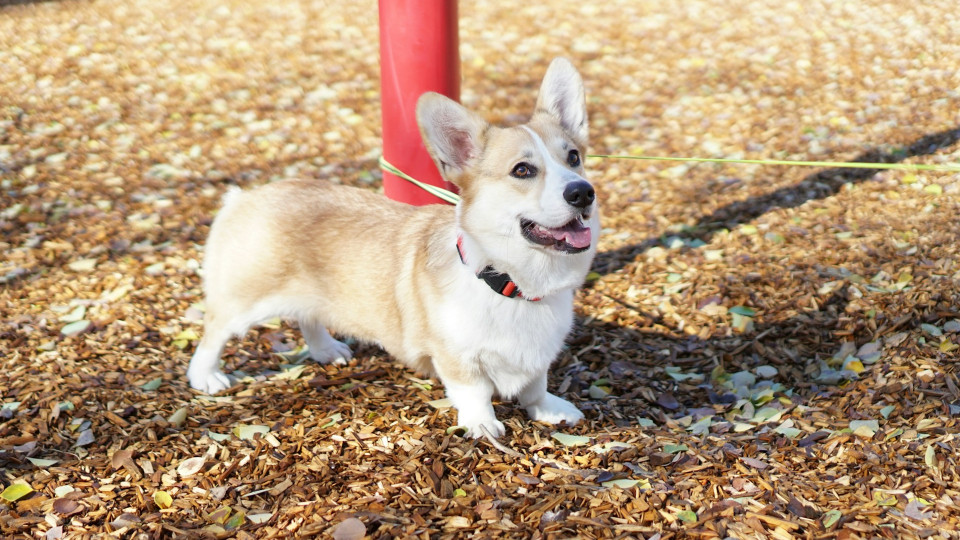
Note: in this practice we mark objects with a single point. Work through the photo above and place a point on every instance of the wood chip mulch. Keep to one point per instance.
(761, 352)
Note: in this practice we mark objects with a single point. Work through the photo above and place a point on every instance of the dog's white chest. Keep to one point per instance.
(509, 340)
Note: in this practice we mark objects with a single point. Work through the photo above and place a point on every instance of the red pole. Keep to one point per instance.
(419, 52)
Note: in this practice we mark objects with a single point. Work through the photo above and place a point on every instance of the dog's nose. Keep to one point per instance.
(579, 194)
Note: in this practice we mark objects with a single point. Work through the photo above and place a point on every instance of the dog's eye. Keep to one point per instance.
(523, 170)
(573, 158)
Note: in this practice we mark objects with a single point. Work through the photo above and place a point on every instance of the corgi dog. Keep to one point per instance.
(479, 294)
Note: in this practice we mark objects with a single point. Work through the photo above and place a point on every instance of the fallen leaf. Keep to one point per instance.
(220, 515)
(570, 440)
(864, 428)
(627, 483)
(687, 516)
(236, 520)
(444, 403)
(15, 492)
(831, 518)
(246, 432)
(755, 463)
(915, 511)
(931, 330)
(930, 457)
(598, 392)
(83, 265)
(125, 519)
(66, 506)
(190, 466)
(349, 529)
(76, 328)
(163, 499)
(885, 412)
(43, 463)
(766, 372)
(152, 384)
(86, 437)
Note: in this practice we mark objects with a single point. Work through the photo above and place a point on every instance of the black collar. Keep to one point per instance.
(500, 283)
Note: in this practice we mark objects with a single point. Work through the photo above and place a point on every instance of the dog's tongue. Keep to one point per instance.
(574, 234)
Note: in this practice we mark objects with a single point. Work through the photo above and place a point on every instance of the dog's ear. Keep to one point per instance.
(453, 134)
(562, 96)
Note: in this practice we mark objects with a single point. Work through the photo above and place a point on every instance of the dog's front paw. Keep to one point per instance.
(330, 351)
(553, 410)
(477, 428)
(209, 382)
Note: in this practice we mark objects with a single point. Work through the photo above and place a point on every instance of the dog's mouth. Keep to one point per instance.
(573, 237)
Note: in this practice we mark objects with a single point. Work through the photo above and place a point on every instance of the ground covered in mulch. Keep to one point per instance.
(761, 352)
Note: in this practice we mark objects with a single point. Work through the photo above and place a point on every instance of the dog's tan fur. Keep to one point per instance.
(358, 264)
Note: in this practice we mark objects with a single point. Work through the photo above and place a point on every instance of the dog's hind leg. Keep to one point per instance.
(546, 407)
(204, 371)
(323, 348)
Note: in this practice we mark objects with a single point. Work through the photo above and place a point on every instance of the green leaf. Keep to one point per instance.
(701, 426)
(152, 385)
(459, 493)
(748, 229)
(178, 417)
(76, 315)
(674, 448)
(931, 330)
(220, 515)
(713, 254)
(687, 516)
(290, 373)
(627, 483)
(43, 463)
(598, 392)
(884, 499)
(570, 440)
(76, 328)
(743, 310)
(831, 518)
(335, 418)
(776, 238)
(864, 428)
(246, 432)
(885, 412)
(10, 406)
(766, 414)
(235, 520)
(787, 430)
(675, 374)
(15, 492)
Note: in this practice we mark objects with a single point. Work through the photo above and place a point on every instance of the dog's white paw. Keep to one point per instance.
(475, 429)
(209, 382)
(553, 410)
(331, 352)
